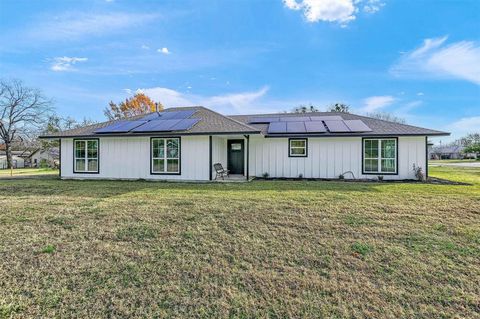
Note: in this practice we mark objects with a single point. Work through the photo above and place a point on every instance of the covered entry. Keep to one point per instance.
(232, 153)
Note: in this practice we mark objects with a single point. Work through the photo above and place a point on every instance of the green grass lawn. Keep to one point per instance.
(242, 250)
(452, 161)
(25, 172)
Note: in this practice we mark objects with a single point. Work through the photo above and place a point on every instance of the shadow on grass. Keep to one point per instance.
(107, 188)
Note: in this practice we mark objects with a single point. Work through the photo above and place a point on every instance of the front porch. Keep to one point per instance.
(232, 152)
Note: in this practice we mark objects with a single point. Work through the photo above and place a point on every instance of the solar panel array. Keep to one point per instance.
(154, 122)
(310, 124)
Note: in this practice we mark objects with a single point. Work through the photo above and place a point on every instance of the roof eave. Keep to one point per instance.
(356, 135)
(147, 134)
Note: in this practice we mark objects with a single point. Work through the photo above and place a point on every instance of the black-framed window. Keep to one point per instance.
(380, 155)
(165, 155)
(297, 147)
(86, 156)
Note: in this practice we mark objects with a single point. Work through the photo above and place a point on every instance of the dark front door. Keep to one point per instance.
(235, 156)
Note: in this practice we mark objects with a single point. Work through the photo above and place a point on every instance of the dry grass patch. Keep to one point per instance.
(262, 249)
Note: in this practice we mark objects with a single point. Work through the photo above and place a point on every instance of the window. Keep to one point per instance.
(380, 156)
(297, 147)
(165, 155)
(85, 156)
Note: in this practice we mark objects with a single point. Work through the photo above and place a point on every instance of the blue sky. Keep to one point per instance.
(419, 60)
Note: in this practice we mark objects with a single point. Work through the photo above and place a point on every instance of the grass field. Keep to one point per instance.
(26, 172)
(262, 249)
(453, 161)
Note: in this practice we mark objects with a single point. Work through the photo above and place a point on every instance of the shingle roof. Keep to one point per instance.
(212, 122)
(379, 127)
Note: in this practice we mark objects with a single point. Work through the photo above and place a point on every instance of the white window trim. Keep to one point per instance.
(379, 157)
(290, 147)
(85, 158)
(165, 156)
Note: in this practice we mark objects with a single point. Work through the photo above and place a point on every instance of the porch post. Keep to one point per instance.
(210, 157)
(248, 155)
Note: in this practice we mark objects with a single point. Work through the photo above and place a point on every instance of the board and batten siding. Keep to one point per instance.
(328, 157)
(129, 158)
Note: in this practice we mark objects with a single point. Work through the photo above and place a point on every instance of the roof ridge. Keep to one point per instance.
(230, 119)
(396, 123)
(354, 114)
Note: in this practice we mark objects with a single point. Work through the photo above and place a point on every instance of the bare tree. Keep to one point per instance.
(23, 111)
(386, 117)
(305, 109)
(56, 123)
(339, 107)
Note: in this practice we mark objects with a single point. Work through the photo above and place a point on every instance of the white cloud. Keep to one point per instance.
(167, 97)
(238, 101)
(373, 6)
(145, 47)
(420, 93)
(233, 103)
(374, 103)
(164, 51)
(460, 60)
(65, 63)
(75, 25)
(341, 11)
(465, 126)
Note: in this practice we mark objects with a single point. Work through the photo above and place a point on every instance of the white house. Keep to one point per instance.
(185, 143)
(49, 156)
(17, 161)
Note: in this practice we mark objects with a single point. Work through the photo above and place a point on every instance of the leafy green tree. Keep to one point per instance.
(473, 148)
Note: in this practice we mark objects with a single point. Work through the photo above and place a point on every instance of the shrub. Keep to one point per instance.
(380, 178)
(265, 175)
(418, 172)
(300, 176)
(43, 163)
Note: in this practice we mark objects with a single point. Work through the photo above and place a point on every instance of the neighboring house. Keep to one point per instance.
(17, 161)
(49, 156)
(450, 152)
(184, 143)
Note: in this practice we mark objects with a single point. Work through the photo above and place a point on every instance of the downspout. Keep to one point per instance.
(248, 156)
(60, 158)
(210, 157)
(426, 157)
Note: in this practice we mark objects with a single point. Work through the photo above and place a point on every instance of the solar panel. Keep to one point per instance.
(296, 127)
(277, 127)
(152, 116)
(294, 119)
(357, 126)
(156, 126)
(173, 115)
(176, 115)
(325, 118)
(120, 127)
(315, 127)
(336, 126)
(184, 124)
(263, 120)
